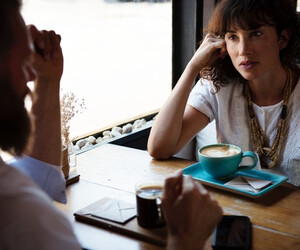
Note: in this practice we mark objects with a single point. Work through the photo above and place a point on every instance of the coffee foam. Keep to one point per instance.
(219, 151)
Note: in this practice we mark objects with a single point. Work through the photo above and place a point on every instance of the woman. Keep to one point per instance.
(249, 85)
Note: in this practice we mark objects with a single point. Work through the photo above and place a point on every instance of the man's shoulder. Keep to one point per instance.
(18, 191)
(29, 211)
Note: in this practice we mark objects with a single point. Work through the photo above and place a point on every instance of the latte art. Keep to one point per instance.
(219, 151)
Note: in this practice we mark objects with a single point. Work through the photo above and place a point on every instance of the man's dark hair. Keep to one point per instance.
(251, 14)
(6, 34)
(15, 124)
(14, 121)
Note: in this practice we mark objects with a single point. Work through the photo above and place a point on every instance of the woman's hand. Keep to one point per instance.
(212, 48)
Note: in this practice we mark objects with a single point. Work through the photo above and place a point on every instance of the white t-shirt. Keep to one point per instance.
(28, 219)
(228, 107)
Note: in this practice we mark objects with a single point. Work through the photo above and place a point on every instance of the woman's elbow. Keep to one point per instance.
(158, 153)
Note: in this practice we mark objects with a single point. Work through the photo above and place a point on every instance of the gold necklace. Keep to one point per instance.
(265, 152)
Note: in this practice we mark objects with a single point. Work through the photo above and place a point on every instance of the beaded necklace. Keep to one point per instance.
(267, 154)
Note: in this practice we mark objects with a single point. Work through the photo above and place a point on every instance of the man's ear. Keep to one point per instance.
(284, 38)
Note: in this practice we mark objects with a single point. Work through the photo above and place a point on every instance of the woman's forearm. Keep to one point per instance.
(165, 133)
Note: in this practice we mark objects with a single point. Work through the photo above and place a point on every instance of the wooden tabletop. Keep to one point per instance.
(112, 171)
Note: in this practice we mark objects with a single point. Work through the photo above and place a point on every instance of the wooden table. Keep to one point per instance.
(111, 170)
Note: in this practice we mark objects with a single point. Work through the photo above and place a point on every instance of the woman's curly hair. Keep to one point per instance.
(251, 14)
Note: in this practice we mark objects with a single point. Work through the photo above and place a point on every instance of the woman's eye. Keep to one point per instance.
(256, 33)
(231, 37)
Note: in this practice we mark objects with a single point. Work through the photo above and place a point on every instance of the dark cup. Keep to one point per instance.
(148, 203)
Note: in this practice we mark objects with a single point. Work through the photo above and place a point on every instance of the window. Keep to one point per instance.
(118, 55)
(298, 5)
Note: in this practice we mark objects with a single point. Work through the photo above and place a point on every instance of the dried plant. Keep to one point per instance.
(70, 105)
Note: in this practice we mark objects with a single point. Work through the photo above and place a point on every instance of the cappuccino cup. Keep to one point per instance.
(222, 160)
(148, 203)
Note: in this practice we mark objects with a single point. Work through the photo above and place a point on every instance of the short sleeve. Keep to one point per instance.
(200, 98)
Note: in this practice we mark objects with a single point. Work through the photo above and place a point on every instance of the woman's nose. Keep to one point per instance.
(244, 47)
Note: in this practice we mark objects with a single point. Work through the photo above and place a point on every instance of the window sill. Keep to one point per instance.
(137, 138)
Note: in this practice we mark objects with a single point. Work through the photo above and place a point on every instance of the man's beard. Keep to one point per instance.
(15, 125)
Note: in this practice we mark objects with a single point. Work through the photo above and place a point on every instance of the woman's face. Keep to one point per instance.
(254, 53)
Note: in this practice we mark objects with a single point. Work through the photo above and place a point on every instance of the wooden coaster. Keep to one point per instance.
(72, 178)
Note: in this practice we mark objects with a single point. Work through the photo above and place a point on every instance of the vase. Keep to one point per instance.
(68, 159)
(71, 156)
(65, 161)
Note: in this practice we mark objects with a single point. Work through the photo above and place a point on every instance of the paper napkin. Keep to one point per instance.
(111, 209)
(249, 184)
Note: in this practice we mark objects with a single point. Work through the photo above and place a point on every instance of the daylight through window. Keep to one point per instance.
(117, 55)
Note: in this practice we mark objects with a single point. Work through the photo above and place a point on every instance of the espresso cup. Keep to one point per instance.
(222, 160)
(148, 203)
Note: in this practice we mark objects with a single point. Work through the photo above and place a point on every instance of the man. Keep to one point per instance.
(28, 218)
(42, 159)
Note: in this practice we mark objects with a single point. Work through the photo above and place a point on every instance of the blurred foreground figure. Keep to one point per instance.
(28, 218)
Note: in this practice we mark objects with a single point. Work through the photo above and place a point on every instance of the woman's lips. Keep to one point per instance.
(248, 64)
